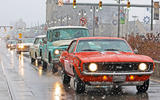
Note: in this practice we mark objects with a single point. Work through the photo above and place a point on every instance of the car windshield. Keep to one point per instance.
(102, 45)
(67, 34)
(12, 42)
(28, 40)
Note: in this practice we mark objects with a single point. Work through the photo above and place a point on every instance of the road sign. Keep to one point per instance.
(60, 2)
(122, 16)
(83, 21)
(146, 19)
(156, 10)
(20, 35)
(114, 22)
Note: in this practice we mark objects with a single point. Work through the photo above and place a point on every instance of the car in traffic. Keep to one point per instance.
(24, 45)
(105, 61)
(11, 44)
(35, 49)
(56, 41)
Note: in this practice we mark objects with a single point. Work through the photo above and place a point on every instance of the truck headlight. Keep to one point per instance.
(57, 52)
(142, 66)
(20, 46)
(93, 67)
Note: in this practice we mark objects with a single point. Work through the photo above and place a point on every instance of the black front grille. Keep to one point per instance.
(119, 67)
(116, 66)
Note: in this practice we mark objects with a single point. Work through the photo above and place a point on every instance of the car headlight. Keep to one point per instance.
(142, 66)
(20, 46)
(93, 67)
(57, 52)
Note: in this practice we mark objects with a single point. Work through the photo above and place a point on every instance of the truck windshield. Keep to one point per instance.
(67, 34)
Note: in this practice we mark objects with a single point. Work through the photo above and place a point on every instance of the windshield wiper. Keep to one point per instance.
(88, 50)
(111, 50)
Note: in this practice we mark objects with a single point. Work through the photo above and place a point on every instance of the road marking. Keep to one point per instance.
(9, 85)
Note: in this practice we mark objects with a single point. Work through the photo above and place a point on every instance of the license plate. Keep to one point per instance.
(119, 78)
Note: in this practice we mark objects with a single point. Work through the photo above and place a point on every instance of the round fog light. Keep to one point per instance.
(131, 77)
(104, 78)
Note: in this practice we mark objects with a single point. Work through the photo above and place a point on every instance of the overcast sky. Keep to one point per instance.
(33, 11)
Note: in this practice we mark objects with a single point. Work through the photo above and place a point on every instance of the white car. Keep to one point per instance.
(35, 48)
(24, 45)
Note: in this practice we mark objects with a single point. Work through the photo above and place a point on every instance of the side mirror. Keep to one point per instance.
(45, 40)
(65, 53)
(135, 51)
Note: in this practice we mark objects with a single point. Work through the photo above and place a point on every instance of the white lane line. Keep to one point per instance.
(9, 85)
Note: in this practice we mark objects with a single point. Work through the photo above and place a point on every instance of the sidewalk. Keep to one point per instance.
(4, 91)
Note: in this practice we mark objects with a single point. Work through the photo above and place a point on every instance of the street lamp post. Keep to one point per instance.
(93, 9)
(68, 18)
(134, 23)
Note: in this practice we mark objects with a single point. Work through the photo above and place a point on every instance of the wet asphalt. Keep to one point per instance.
(21, 80)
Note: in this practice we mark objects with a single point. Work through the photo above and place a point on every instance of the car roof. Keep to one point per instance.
(40, 36)
(90, 38)
(61, 27)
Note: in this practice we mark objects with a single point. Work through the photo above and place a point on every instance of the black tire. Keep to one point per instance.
(65, 78)
(79, 85)
(18, 52)
(54, 68)
(143, 88)
(44, 65)
(32, 60)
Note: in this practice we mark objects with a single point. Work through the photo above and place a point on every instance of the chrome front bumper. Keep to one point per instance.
(115, 73)
(106, 84)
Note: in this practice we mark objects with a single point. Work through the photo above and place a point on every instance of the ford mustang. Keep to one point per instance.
(104, 61)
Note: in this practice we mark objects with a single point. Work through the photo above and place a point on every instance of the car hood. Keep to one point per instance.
(62, 43)
(112, 57)
(26, 44)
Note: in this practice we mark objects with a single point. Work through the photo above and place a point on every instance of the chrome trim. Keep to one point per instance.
(39, 58)
(114, 73)
(105, 84)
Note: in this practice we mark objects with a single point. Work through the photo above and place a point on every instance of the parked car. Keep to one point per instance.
(11, 44)
(105, 61)
(57, 40)
(24, 44)
(35, 49)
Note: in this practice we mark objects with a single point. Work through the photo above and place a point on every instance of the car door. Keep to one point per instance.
(36, 46)
(69, 58)
(32, 49)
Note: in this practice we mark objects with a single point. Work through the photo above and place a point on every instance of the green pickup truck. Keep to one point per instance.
(58, 40)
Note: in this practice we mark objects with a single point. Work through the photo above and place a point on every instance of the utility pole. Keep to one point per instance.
(94, 9)
(118, 19)
(151, 15)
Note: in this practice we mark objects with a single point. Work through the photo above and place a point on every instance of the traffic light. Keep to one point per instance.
(100, 4)
(74, 3)
(20, 35)
(128, 4)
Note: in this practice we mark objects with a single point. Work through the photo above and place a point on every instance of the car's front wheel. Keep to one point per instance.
(65, 78)
(79, 85)
(32, 60)
(143, 88)
(44, 65)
